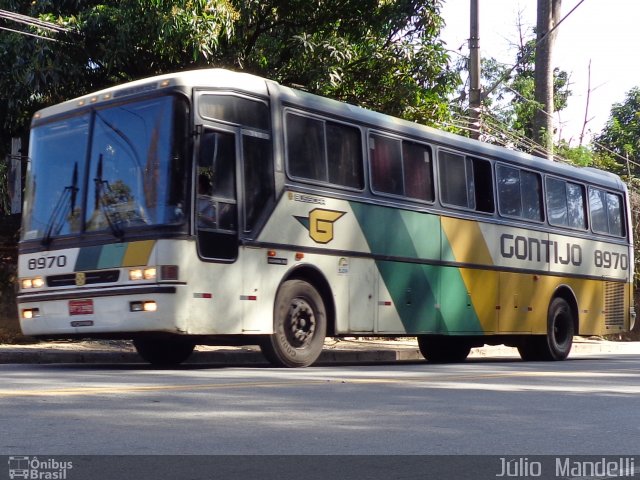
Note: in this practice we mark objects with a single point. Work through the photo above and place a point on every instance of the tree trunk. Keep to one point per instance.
(548, 16)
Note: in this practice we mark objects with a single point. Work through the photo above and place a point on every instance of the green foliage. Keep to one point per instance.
(509, 92)
(345, 49)
(620, 138)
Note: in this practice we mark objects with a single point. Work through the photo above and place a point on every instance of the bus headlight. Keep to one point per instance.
(142, 274)
(35, 282)
(29, 313)
(161, 273)
(147, 306)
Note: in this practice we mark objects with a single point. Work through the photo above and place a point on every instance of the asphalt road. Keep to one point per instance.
(586, 405)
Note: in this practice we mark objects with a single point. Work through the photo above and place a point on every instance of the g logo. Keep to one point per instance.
(81, 279)
(320, 224)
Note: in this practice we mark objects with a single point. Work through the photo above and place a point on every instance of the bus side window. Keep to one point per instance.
(344, 155)
(607, 215)
(306, 147)
(483, 185)
(614, 215)
(324, 151)
(386, 164)
(418, 171)
(519, 193)
(576, 206)
(566, 204)
(454, 184)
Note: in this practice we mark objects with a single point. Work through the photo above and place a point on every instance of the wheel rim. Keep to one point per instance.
(301, 323)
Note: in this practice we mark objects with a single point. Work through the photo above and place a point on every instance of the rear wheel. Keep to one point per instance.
(164, 352)
(557, 343)
(299, 326)
(444, 349)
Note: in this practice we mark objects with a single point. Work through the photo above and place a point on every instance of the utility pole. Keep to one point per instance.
(475, 93)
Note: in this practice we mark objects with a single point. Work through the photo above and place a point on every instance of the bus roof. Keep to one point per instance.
(239, 81)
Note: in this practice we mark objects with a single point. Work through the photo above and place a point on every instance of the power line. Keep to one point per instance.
(31, 22)
(29, 34)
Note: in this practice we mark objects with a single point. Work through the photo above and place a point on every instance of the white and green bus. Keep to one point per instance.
(216, 207)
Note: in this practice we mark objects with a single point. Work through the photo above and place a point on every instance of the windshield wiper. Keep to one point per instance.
(56, 221)
(101, 187)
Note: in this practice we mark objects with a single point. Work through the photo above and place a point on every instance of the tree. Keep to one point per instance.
(509, 96)
(384, 55)
(619, 141)
(547, 19)
(345, 49)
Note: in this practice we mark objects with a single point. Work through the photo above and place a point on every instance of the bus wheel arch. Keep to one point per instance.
(315, 277)
(562, 324)
(566, 293)
(301, 320)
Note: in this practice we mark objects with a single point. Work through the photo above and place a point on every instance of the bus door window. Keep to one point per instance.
(216, 204)
(259, 186)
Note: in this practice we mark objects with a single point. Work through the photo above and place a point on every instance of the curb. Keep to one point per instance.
(345, 352)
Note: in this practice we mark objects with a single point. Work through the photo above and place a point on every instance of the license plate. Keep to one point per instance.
(80, 307)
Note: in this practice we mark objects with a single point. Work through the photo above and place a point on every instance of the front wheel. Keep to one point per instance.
(299, 326)
(164, 352)
(557, 343)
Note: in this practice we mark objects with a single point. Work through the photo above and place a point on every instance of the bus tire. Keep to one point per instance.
(444, 349)
(300, 325)
(164, 352)
(557, 343)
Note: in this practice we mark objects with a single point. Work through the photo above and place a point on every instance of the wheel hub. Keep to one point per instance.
(301, 323)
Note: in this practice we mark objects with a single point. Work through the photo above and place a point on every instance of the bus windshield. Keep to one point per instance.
(107, 170)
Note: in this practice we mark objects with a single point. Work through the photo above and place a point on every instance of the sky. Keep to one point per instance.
(603, 32)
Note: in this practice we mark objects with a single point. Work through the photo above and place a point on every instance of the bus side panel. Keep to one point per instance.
(463, 242)
(214, 306)
(523, 302)
(590, 298)
(362, 284)
(260, 281)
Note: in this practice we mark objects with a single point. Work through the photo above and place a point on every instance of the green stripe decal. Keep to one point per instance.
(88, 258)
(428, 298)
(114, 255)
(111, 255)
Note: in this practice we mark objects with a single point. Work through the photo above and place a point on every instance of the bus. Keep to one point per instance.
(218, 207)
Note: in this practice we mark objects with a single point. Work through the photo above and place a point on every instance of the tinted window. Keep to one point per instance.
(566, 204)
(607, 213)
(324, 151)
(258, 177)
(453, 180)
(418, 171)
(597, 206)
(483, 185)
(509, 191)
(614, 214)
(306, 148)
(386, 164)
(557, 202)
(238, 110)
(519, 193)
(466, 182)
(576, 206)
(344, 155)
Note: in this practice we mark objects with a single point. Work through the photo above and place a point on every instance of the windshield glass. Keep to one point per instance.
(129, 174)
(59, 149)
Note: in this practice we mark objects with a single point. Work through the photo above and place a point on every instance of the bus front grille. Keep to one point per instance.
(90, 278)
